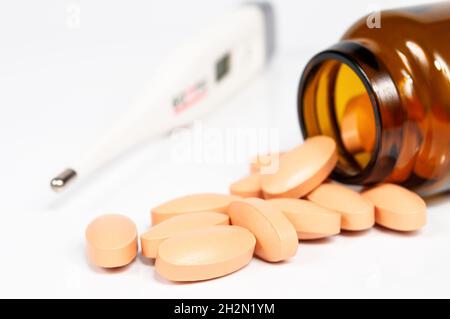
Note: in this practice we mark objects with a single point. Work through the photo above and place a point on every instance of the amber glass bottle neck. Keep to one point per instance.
(384, 98)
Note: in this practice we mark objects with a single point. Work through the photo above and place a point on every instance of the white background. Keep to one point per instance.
(61, 84)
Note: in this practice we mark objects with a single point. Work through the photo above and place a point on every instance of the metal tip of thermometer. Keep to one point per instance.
(59, 182)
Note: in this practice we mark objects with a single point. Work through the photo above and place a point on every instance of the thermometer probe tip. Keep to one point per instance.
(60, 181)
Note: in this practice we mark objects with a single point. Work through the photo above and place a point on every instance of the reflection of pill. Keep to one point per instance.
(310, 220)
(396, 207)
(301, 169)
(358, 130)
(151, 239)
(111, 241)
(249, 186)
(407, 154)
(205, 253)
(357, 212)
(191, 204)
(276, 238)
(260, 162)
(433, 155)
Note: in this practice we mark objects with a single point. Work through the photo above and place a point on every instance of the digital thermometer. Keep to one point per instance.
(193, 81)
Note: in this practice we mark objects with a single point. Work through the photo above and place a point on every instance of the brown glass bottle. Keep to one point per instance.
(383, 93)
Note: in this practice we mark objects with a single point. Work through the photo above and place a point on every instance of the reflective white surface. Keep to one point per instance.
(64, 80)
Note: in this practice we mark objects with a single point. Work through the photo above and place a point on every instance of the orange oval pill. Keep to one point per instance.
(310, 220)
(205, 253)
(357, 212)
(249, 186)
(151, 239)
(276, 238)
(397, 208)
(111, 241)
(191, 204)
(358, 128)
(350, 134)
(302, 169)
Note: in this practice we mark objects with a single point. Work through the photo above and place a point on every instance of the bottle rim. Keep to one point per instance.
(373, 74)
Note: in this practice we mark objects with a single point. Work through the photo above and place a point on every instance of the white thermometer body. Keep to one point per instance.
(193, 81)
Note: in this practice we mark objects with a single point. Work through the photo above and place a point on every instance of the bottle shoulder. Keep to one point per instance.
(426, 21)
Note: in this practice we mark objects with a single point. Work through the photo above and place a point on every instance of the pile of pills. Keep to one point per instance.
(205, 236)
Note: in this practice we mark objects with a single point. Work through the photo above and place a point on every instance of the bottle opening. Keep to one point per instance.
(335, 101)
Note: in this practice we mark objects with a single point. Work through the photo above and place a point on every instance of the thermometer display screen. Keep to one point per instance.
(222, 67)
